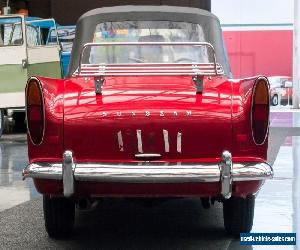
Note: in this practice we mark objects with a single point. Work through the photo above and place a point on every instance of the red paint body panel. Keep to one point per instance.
(220, 121)
(260, 52)
(211, 118)
(241, 121)
(96, 189)
(51, 149)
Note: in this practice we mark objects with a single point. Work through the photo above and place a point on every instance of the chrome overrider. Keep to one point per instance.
(225, 172)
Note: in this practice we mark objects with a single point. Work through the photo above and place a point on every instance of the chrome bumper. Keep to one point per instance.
(225, 172)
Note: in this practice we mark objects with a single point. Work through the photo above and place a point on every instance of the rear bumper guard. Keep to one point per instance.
(226, 172)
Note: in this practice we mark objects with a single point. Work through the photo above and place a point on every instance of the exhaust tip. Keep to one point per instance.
(86, 204)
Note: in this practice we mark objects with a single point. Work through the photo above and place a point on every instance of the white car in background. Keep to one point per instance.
(280, 90)
(24, 52)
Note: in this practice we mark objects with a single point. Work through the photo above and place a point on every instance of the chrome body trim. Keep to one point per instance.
(120, 141)
(43, 170)
(166, 140)
(139, 140)
(251, 171)
(193, 69)
(148, 173)
(161, 113)
(132, 70)
(67, 173)
(240, 171)
(179, 142)
(147, 156)
(226, 172)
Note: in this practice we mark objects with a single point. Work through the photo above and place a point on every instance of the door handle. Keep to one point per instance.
(24, 63)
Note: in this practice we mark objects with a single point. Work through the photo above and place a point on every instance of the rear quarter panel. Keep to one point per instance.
(51, 149)
(244, 147)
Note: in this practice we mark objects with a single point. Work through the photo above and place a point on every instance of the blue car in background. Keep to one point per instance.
(45, 27)
(66, 35)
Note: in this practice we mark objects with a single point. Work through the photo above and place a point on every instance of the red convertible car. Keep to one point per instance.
(149, 109)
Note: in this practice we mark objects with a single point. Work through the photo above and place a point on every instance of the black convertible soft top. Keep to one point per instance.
(87, 23)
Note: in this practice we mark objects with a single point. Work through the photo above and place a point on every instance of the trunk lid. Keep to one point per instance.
(150, 115)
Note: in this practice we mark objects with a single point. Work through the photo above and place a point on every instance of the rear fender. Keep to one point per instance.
(243, 141)
(51, 147)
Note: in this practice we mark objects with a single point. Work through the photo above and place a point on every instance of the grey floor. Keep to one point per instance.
(175, 224)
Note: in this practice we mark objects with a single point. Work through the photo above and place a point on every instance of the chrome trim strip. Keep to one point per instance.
(137, 73)
(166, 140)
(246, 171)
(101, 67)
(120, 141)
(139, 140)
(143, 170)
(179, 139)
(43, 170)
(150, 172)
(145, 156)
(153, 66)
(147, 173)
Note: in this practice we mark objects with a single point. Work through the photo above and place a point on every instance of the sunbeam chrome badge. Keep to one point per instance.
(147, 113)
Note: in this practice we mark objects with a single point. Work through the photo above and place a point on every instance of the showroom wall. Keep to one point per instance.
(58, 8)
(258, 41)
(253, 11)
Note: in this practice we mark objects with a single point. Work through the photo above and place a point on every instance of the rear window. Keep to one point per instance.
(149, 31)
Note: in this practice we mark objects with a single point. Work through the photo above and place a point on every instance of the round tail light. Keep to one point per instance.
(35, 111)
(260, 110)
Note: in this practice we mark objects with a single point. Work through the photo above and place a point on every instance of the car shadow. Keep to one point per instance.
(173, 224)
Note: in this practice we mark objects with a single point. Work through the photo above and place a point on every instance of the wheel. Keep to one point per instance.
(1, 122)
(274, 100)
(238, 214)
(59, 214)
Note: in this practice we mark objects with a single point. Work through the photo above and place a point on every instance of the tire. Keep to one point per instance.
(274, 100)
(59, 215)
(1, 122)
(238, 214)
